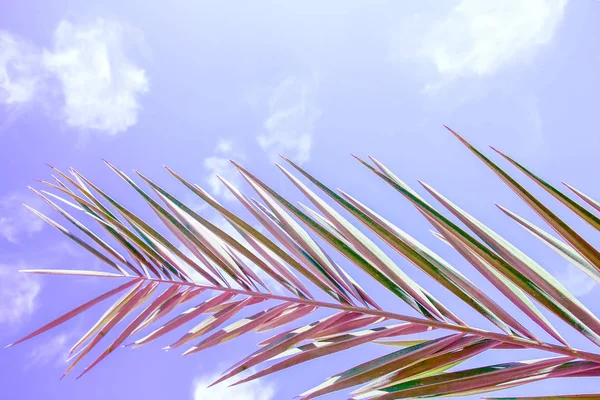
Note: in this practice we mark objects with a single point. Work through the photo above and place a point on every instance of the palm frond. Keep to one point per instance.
(289, 267)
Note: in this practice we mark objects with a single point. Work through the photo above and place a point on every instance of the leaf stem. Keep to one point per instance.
(553, 348)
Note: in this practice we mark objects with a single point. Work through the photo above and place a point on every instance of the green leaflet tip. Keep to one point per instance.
(502, 154)
(457, 135)
(171, 171)
(111, 166)
(447, 127)
(362, 161)
(452, 131)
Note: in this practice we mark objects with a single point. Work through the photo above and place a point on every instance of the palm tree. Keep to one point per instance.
(233, 267)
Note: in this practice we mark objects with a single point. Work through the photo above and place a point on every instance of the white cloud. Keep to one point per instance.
(19, 70)
(86, 76)
(53, 351)
(100, 84)
(293, 114)
(219, 164)
(253, 390)
(18, 293)
(576, 281)
(478, 38)
(15, 220)
(225, 146)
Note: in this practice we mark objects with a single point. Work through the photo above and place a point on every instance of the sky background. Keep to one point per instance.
(192, 84)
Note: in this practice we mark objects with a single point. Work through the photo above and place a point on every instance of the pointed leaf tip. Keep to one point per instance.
(235, 163)
(454, 132)
(215, 382)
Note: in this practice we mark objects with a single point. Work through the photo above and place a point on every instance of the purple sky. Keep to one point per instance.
(193, 84)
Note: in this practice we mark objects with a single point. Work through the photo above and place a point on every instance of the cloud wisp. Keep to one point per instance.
(17, 221)
(52, 352)
(18, 294)
(99, 83)
(20, 71)
(254, 390)
(218, 164)
(293, 114)
(478, 38)
(576, 281)
(86, 76)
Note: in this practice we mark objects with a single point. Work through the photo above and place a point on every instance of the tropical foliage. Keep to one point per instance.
(286, 270)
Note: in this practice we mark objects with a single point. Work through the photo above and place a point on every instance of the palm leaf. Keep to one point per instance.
(186, 258)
